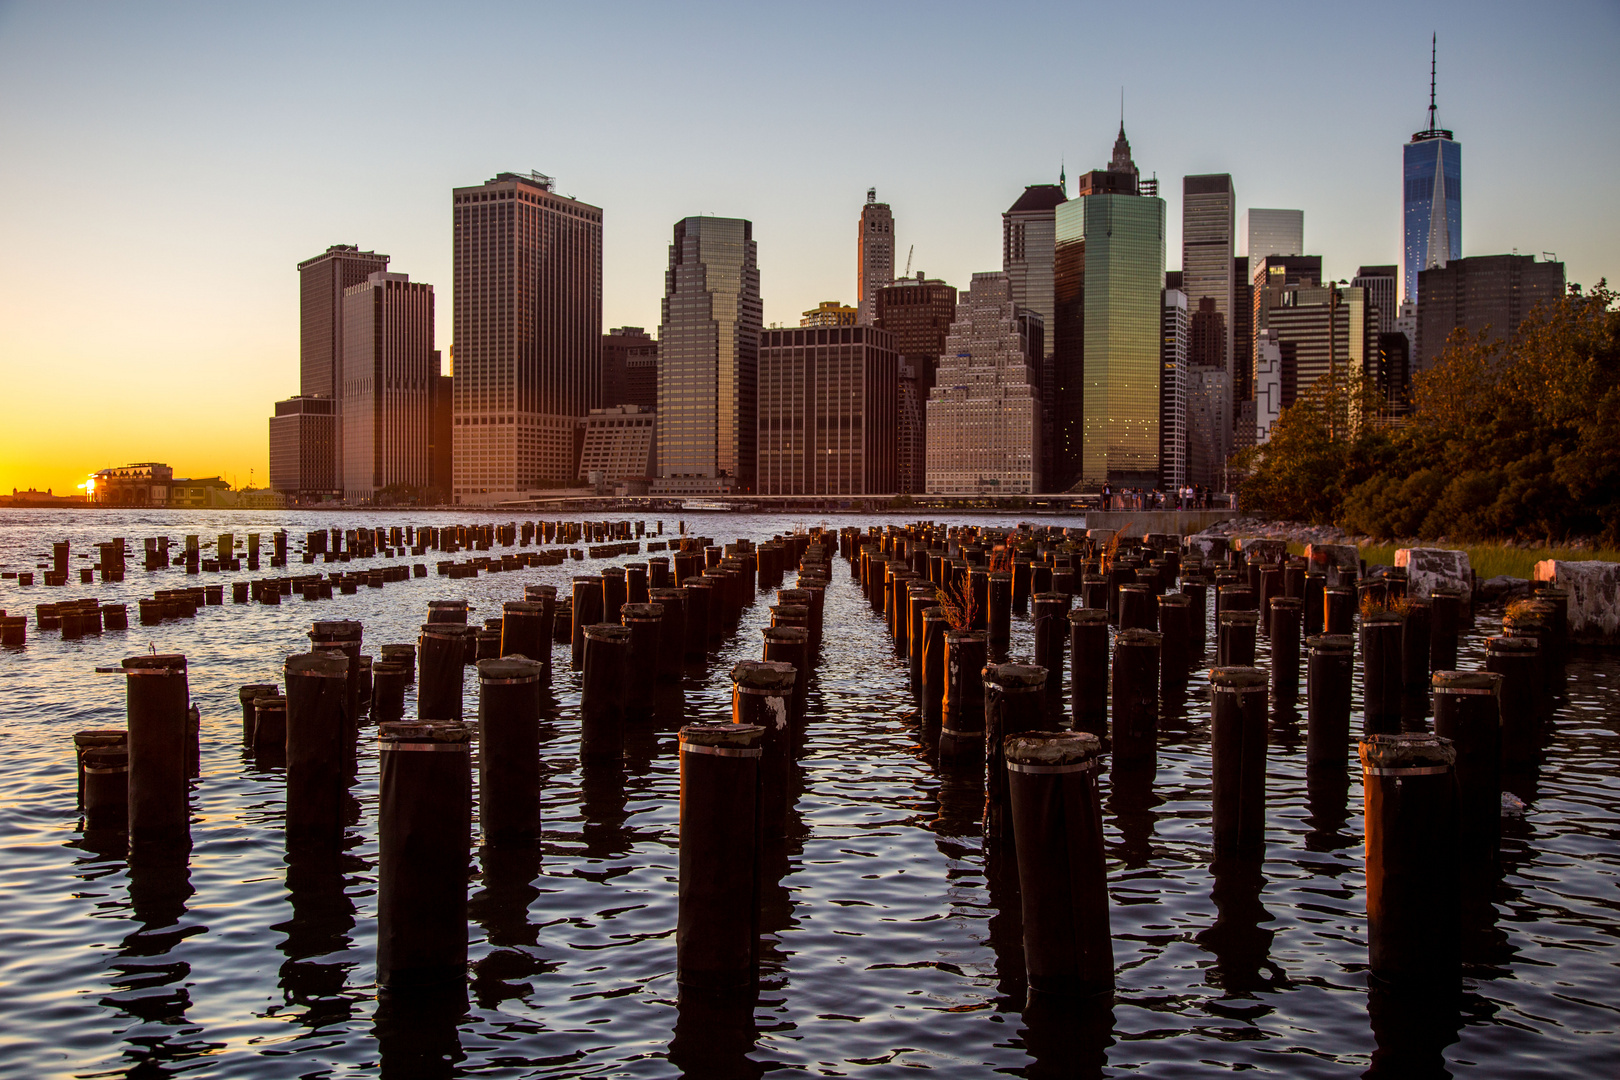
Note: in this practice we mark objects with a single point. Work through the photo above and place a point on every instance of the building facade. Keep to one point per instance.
(387, 383)
(528, 334)
(1028, 246)
(1326, 335)
(1173, 386)
(303, 449)
(629, 368)
(874, 255)
(1107, 286)
(1209, 426)
(1383, 291)
(918, 311)
(830, 313)
(621, 443)
(983, 415)
(1274, 232)
(1208, 225)
(1492, 294)
(829, 411)
(709, 359)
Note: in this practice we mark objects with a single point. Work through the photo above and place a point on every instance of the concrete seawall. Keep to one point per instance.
(1181, 522)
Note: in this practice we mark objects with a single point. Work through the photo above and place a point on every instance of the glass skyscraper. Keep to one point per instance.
(1432, 198)
(1108, 276)
(708, 358)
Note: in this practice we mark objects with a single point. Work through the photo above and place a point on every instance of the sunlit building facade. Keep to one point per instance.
(918, 311)
(709, 359)
(1208, 219)
(386, 386)
(874, 255)
(983, 415)
(828, 411)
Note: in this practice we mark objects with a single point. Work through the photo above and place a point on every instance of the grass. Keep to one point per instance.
(1490, 560)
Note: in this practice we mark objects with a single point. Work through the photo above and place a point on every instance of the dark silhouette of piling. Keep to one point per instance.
(440, 653)
(1381, 673)
(1416, 641)
(1088, 642)
(1013, 704)
(1517, 661)
(1136, 607)
(1235, 645)
(424, 832)
(246, 695)
(270, 728)
(1136, 697)
(158, 698)
(615, 592)
(509, 749)
(961, 733)
(317, 733)
(1051, 632)
(1286, 614)
(1410, 790)
(1175, 626)
(602, 692)
(587, 608)
(717, 919)
(526, 630)
(999, 590)
(1445, 621)
(761, 696)
(1063, 885)
(96, 739)
(1468, 711)
(935, 626)
(389, 680)
(1238, 760)
(641, 674)
(104, 786)
(671, 631)
(791, 645)
(1327, 700)
(1315, 610)
(1339, 609)
(701, 608)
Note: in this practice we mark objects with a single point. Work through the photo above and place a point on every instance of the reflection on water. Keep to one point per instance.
(890, 932)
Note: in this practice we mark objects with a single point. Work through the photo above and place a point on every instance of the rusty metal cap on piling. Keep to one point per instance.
(607, 631)
(344, 630)
(588, 579)
(1176, 599)
(1331, 643)
(1237, 678)
(961, 636)
(723, 737)
(1016, 677)
(613, 571)
(1043, 750)
(539, 592)
(1240, 617)
(697, 582)
(1139, 637)
(1506, 644)
(1051, 598)
(446, 629)
(664, 595)
(1384, 755)
(641, 613)
(1467, 682)
(450, 732)
(1089, 616)
(255, 690)
(100, 737)
(793, 596)
(509, 669)
(1380, 618)
(786, 633)
(791, 611)
(269, 701)
(317, 665)
(384, 668)
(763, 676)
(523, 607)
(935, 614)
(158, 664)
(1287, 603)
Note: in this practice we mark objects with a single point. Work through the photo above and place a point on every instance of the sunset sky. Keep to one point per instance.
(164, 167)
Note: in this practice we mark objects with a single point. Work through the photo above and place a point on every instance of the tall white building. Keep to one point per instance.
(386, 378)
(875, 256)
(1274, 232)
(1028, 248)
(984, 411)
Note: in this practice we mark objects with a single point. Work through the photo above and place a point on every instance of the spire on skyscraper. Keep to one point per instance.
(1434, 41)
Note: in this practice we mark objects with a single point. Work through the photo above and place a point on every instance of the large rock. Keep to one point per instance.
(1329, 559)
(1261, 549)
(1594, 597)
(1208, 545)
(1428, 569)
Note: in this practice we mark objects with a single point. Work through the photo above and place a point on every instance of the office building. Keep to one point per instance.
(1274, 232)
(1431, 197)
(528, 334)
(983, 415)
(1207, 335)
(1209, 426)
(1028, 240)
(874, 255)
(1482, 293)
(303, 449)
(1382, 290)
(1173, 384)
(621, 444)
(1271, 276)
(386, 386)
(1321, 334)
(829, 400)
(918, 311)
(709, 359)
(1268, 383)
(1109, 271)
(629, 368)
(1242, 336)
(1395, 373)
(830, 313)
(444, 433)
(1208, 219)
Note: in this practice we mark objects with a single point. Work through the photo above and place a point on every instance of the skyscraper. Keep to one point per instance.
(709, 359)
(875, 255)
(983, 414)
(303, 442)
(528, 334)
(1381, 285)
(1431, 196)
(1109, 270)
(1173, 386)
(828, 411)
(1490, 293)
(919, 312)
(1028, 242)
(388, 376)
(1274, 232)
(629, 368)
(1208, 215)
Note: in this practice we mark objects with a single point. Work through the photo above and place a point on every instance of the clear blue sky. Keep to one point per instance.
(165, 166)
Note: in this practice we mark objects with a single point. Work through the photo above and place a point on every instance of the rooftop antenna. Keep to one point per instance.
(1122, 108)
(1433, 41)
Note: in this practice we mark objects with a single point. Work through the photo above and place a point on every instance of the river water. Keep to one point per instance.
(888, 950)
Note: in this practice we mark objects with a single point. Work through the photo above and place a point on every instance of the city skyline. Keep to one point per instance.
(208, 118)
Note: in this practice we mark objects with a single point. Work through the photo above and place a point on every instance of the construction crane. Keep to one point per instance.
(909, 252)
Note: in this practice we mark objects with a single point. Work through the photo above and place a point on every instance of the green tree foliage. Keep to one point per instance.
(1517, 438)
